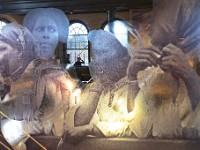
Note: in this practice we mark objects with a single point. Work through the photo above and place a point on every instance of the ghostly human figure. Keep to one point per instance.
(168, 82)
(114, 95)
(17, 51)
(48, 26)
(39, 90)
(166, 87)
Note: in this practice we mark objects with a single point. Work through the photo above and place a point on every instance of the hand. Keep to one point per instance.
(76, 134)
(143, 58)
(175, 61)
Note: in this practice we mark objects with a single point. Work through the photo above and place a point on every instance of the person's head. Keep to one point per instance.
(78, 58)
(48, 26)
(110, 57)
(177, 22)
(16, 49)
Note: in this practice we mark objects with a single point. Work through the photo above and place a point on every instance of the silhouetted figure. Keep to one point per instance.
(79, 62)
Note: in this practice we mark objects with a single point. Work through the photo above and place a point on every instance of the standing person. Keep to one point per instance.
(39, 93)
(79, 62)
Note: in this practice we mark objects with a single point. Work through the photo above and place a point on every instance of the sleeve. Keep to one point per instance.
(89, 101)
(142, 118)
(110, 122)
(57, 95)
(111, 129)
(114, 129)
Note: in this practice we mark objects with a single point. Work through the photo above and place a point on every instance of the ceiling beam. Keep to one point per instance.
(21, 7)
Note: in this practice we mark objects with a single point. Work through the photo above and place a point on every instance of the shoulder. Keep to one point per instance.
(44, 68)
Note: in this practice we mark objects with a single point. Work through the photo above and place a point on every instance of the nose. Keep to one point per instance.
(45, 34)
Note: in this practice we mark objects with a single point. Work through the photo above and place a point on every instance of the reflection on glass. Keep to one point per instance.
(119, 29)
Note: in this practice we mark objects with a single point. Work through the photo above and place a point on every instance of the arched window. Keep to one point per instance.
(77, 44)
(119, 29)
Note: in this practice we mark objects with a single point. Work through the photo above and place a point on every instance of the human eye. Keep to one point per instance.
(52, 29)
(38, 29)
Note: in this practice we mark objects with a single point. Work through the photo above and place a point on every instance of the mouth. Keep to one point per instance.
(45, 44)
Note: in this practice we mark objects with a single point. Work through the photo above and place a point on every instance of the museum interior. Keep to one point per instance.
(84, 16)
(94, 68)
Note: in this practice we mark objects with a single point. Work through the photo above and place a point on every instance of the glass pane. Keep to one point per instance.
(78, 53)
(119, 29)
(77, 44)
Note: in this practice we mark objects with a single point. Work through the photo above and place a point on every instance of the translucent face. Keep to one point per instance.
(46, 36)
(5, 52)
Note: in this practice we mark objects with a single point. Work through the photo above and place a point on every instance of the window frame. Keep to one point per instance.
(87, 28)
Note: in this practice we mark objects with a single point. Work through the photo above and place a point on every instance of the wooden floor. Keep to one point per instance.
(91, 143)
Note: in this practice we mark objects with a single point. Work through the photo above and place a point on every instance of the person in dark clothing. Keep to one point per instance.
(79, 62)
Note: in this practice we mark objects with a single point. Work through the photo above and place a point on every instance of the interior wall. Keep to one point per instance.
(13, 18)
(95, 20)
(92, 20)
